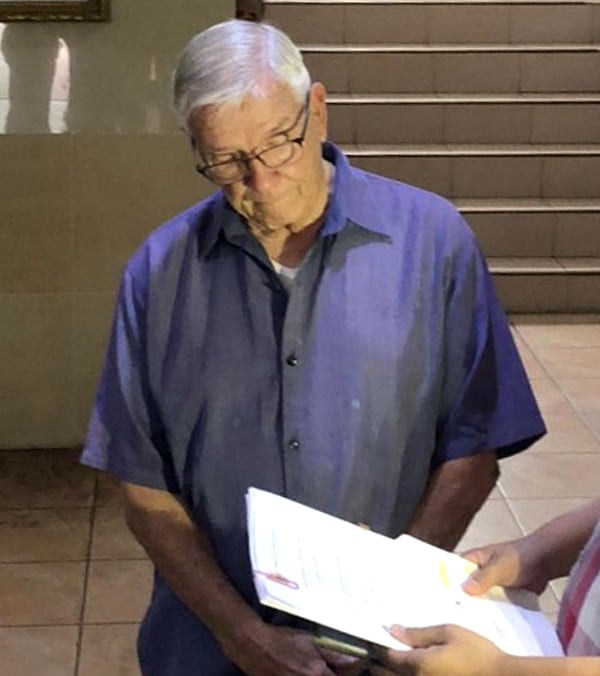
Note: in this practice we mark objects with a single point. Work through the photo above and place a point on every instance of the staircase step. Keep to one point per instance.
(547, 284)
(473, 150)
(466, 97)
(487, 170)
(419, 3)
(464, 118)
(534, 227)
(432, 22)
(450, 48)
(545, 266)
(452, 68)
(499, 110)
(528, 206)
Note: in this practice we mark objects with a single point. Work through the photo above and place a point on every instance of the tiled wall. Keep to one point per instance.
(74, 205)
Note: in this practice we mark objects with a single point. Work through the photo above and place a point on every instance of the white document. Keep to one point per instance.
(358, 582)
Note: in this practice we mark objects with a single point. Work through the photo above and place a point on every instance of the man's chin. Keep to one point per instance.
(273, 215)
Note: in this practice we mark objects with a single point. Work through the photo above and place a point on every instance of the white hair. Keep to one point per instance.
(232, 60)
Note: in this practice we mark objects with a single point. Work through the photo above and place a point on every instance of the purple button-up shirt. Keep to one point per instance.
(389, 355)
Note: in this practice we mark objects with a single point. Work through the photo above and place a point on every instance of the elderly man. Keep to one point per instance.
(310, 329)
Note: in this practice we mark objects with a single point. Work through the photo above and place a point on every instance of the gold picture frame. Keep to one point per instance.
(54, 10)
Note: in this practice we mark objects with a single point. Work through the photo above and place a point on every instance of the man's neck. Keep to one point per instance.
(290, 244)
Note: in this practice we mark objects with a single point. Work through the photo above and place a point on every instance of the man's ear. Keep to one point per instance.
(318, 107)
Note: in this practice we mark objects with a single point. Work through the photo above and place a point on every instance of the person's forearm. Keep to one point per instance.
(454, 494)
(184, 556)
(549, 666)
(561, 540)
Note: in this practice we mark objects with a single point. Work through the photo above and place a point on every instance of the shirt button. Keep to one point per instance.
(292, 360)
(293, 444)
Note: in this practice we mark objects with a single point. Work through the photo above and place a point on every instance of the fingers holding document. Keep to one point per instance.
(443, 650)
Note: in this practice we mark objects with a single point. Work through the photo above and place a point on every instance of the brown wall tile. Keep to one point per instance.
(35, 237)
(381, 23)
(124, 188)
(36, 388)
(547, 23)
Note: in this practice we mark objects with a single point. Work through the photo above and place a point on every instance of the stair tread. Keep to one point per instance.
(450, 47)
(526, 204)
(543, 265)
(479, 149)
(431, 2)
(475, 97)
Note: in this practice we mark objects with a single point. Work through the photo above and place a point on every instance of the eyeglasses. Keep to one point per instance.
(273, 157)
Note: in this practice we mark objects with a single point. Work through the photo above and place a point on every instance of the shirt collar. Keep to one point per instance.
(349, 203)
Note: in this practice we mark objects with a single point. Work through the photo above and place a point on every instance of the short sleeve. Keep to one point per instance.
(125, 434)
(487, 401)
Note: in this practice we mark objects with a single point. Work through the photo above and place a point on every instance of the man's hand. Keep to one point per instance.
(265, 650)
(446, 650)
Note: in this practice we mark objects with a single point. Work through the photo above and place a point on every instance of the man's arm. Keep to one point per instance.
(454, 494)
(185, 558)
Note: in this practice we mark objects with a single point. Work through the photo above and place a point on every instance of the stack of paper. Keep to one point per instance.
(358, 582)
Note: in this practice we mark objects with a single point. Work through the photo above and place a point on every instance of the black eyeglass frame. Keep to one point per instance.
(243, 160)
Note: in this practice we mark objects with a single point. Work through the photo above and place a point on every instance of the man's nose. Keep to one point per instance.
(258, 176)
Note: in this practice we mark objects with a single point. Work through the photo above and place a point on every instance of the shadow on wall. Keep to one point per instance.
(67, 78)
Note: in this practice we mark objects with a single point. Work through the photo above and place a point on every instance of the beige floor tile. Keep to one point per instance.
(531, 513)
(109, 649)
(567, 433)
(44, 535)
(38, 651)
(41, 479)
(569, 362)
(40, 593)
(495, 494)
(111, 538)
(550, 399)
(109, 492)
(118, 591)
(493, 523)
(535, 371)
(584, 393)
(573, 475)
(573, 333)
(593, 422)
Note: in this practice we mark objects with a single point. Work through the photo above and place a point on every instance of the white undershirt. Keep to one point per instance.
(285, 273)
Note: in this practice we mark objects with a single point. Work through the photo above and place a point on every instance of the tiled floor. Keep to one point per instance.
(73, 583)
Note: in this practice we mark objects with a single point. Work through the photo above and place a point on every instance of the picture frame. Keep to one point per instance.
(54, 10)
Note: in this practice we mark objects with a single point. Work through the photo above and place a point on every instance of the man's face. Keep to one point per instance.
(271, 198)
